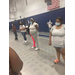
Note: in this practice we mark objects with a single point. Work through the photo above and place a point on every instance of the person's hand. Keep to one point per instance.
(49, 43)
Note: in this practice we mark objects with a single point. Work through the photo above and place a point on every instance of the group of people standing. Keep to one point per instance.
(31, 30)
(56, 38)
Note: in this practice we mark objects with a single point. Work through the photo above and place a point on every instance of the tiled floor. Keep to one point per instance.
(37, 62)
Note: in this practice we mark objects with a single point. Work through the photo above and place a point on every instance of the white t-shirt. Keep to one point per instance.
(21, 27)
(26, 26)
(58, 36)
(49, 24)
(32, 27)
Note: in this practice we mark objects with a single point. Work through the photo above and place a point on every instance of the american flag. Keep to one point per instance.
(55, 4)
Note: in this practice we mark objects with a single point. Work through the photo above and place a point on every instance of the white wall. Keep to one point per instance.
(12, 13)
(34, 7)
(62, 3)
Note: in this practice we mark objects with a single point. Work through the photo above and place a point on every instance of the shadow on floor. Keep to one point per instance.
(60, 68)
(28, 43)
(31, 49)
(51, 57)
(46, 55)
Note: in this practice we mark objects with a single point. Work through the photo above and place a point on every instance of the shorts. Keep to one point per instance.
(59, 47)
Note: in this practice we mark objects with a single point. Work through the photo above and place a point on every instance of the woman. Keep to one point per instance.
(49, 24)
(57, 38)
(33, 31)
(14, 31)
(23, 31)
(15, 63)
(27, 27)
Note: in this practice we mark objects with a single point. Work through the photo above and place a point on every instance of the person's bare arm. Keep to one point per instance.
(22, 29)
(50, 38)
(14, 60)
(37, 27)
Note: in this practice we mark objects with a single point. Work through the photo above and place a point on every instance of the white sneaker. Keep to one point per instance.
(32, 47)
(25, 41)
(36, 48)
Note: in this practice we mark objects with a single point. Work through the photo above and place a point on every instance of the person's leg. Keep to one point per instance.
(58, 53)
(28, 30)
(36, 40)
(37, 46)
(63, 53)
(16, 35)
(33, 41)
(24, 35)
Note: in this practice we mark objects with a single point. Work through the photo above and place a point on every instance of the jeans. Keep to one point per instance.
(24, 35)
(15, 34)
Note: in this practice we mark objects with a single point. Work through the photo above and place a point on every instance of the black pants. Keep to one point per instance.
(27, 30)
(15, 33)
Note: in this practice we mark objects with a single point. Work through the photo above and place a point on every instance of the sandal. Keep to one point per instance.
(56, 61)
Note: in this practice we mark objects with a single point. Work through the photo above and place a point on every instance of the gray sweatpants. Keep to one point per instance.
(34, 34)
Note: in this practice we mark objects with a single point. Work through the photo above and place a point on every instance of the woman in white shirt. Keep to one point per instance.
(33, 32)
(49, 24)
(23, 31)
(57, 38)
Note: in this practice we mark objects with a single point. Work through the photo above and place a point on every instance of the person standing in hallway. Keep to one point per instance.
(57, 38)
(23, 31)
(49, 24)
(33, 32)
(27, 27)
(14, 31)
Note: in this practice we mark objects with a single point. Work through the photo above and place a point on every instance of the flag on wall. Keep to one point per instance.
(55, 4)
